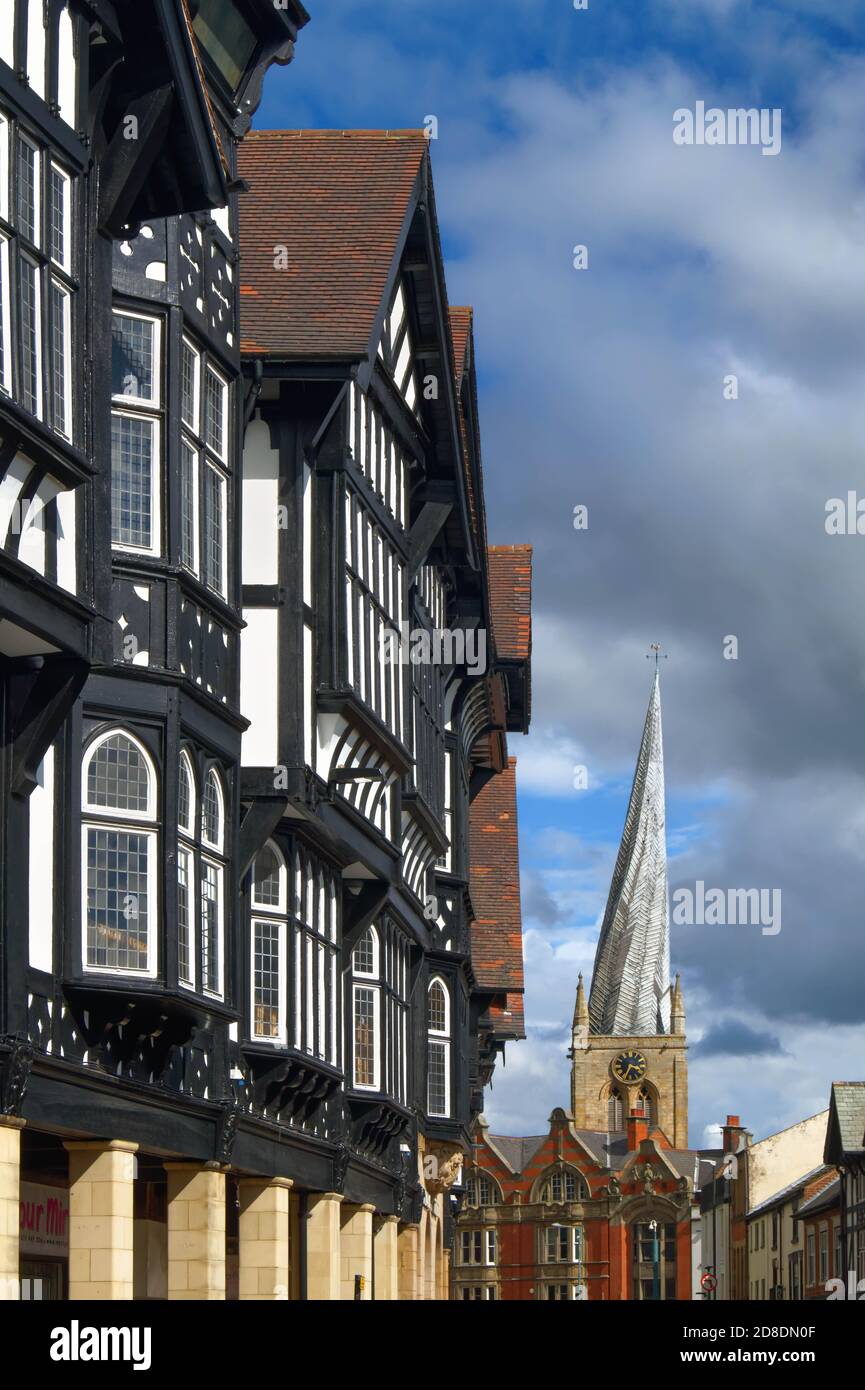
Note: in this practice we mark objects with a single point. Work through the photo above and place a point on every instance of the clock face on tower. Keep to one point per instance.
(630, 1066)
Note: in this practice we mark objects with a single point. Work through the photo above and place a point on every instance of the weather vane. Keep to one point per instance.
(655, 651)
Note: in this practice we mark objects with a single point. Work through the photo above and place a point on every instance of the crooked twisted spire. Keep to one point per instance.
(631, 980)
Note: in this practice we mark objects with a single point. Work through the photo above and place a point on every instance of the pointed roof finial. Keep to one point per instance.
(581, 1008)
(655, 651)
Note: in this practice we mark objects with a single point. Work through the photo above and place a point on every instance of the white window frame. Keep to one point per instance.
(195, 423)
(553, 1235)
(25, 139)
(210, 370)
(259, 919)
(155, 547)
(117, 813)
(146, 403)
(24, 255)
(66, 263)
(186, 847)
(375, 972)
(4, 166)
(441, 1038)
(5, 318)
(207, 861)
(123, 822)
(487, 1244)
(64, 429)
(271, 915)
(222, 480)
(195, 567)
(364, 982)
(152, 837)
(215, 845)
(186, 850)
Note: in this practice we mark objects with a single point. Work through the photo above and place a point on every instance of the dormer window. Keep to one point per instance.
(226, 38)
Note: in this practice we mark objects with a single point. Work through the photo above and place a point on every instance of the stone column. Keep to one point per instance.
(386, 1262)
(355, 1246)
(407, 1255)
(264, 1244)
(196, 1231)
(323, 1247)
(10, 1169)
(101, 1218)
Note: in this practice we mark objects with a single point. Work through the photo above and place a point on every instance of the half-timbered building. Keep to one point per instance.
(251, 680)
(366, 586)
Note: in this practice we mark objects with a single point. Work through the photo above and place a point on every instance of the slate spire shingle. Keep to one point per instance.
(631, 980)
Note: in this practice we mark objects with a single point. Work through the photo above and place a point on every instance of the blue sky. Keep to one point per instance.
(706, 517)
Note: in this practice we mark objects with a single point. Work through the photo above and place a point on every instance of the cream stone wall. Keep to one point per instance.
(386, 1263)
(101, 1219)
(264, 1238)
(355, 1250)
(323, 1247)
(10, 1167)
(196, 1232)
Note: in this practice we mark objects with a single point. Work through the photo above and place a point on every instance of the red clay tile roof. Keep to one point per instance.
(509, 1020)
(336, 201)
(461, 321)
(497, 931)
(510, 571)
(461, 328)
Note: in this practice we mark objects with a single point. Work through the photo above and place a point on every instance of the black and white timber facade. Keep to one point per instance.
(236, 934)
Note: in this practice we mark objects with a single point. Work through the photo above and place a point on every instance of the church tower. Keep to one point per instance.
(628, 1047)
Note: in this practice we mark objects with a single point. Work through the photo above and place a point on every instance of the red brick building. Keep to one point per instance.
(820, 1215)
(579, 1214)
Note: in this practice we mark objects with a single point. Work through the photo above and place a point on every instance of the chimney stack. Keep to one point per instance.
(731, 1131)
(638, 1128)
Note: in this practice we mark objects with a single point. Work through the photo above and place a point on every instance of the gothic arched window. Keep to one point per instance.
(615, 1110)
(120, 859)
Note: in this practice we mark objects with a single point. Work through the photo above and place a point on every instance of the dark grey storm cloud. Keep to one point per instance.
(732, 1038)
